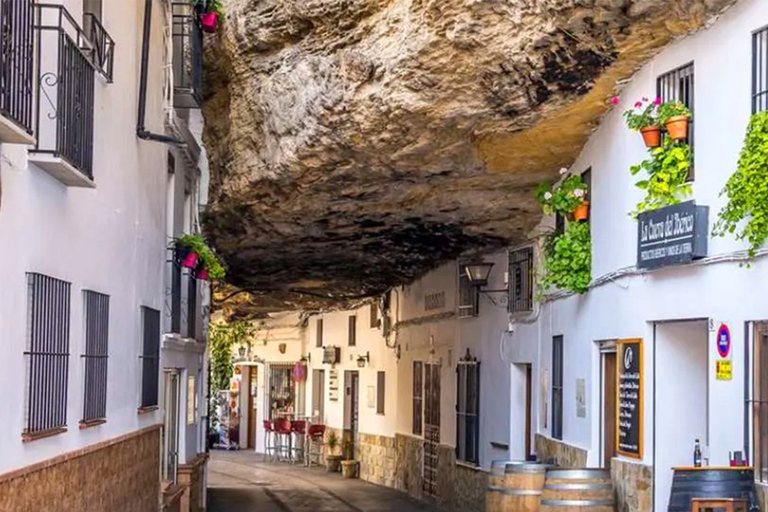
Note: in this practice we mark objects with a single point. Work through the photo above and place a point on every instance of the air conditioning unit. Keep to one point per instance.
(331, 355)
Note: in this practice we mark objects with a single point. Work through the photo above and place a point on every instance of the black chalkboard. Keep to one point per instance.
(629, 406)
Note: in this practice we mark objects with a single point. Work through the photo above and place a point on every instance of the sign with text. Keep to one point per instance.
(723, 365)
(672, 235)
(629, 431)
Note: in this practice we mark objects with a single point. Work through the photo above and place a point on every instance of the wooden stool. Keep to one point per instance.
(728, 504)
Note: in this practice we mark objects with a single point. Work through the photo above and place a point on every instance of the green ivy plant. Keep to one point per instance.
(747, 190)
(564, 197)
(568, 259)
(667, 174)
(221, 338)
(196, 243)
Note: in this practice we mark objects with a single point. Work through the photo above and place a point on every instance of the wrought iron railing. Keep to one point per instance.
(187, 57)
(16, 64)
(102, 49)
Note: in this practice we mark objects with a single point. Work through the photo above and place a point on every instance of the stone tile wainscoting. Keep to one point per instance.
(565, 455)
(191, 479)
(377, 456)
(408, 465)
(633, 483)
(121, 474)
(459, 487)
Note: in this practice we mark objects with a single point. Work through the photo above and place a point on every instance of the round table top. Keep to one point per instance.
(713, 468)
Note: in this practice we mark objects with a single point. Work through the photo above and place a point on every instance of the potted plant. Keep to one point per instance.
(674, 116)
(643, 118)
(332, 460)
(566, 197)
(349, 466)
(209, 13)
(568, 259)
(667, 170)
(188, 249)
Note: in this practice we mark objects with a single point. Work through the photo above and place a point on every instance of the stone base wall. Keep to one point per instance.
(377, 456)
(408, 463)
(191, 479)
(564, 455)
(459, 487)
(121, 474)
(633, 483)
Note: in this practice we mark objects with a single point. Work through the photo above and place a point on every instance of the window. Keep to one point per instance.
(47, 354)
(150, 357)
(468, 410)
(319, 333)
(380, 391)
(586, 177)
(176, 297)
(191, 307)
(95, 357)
(418, 397)
(374, 315)
(677, 85)
(521, 280)
(559, 223)
(469, 297)
(760, 70)
(17, 44)
(352, 331)
(557, 387)
(433, 301)
(760, 402)
(191, 400)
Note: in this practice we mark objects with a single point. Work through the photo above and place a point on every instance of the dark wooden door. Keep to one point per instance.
(318, 396)
(528, 407)
(252, 372)
(609, 410)
(355, 421)
(431, 427)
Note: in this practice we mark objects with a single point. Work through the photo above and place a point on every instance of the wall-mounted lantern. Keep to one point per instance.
(241, 351)
(306, 359)
(478, 272)
(363, 359)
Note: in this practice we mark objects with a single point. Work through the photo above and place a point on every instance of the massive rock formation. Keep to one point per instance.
(355, 144)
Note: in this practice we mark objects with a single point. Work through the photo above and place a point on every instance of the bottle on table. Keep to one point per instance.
(697, 455)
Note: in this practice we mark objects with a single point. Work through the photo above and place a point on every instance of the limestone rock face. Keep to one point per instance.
(356, 144)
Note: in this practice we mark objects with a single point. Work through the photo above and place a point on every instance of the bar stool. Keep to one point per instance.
(269, 440)
(316, 435)
(282, 428)
(728, 504)
(299, 430)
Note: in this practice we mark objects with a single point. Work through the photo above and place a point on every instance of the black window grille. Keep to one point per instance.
(469, 296)
(352, 331)
(191, 307)
(48, 321)
(96, 355)
(559, 223)
(176, 298)
(319, 333)
(380, 391)
(16, 62)
(521, 280)
(760, 70)
(586, 177)
(468, 410)
(374, 315)
(187, 38)
(557, 387)
(760, 402)
(102, 48)
(418, 397)
(150, 357)
(677, 85)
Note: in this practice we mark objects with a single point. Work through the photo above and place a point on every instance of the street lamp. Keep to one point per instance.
(362, 359)
(478, 272)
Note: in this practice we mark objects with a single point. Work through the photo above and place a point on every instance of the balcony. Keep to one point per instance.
(187, 57)
(67, 62)
(16, 71)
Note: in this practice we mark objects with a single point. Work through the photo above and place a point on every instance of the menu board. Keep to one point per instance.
(333, 386)
(629, 431)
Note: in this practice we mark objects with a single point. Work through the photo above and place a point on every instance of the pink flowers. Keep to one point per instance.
(657, 101)
(638, 104)
(615, 100)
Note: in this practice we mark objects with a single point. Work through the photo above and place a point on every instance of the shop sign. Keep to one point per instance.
(672, 235)
(629, 434)
(723, 365)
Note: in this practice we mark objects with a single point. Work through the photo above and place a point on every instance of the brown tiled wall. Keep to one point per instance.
(408, 465)
(191, 478)
(634, 486)
(120, 475)
(377, 455)
(565, 455)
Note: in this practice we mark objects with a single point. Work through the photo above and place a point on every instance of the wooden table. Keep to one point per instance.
(709, 484)
(729, 504)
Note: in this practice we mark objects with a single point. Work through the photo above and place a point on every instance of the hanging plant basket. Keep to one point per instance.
(202, 274)
(190, 261)
(582, 211)
(209, 22)
(651, 136)
(677, 127)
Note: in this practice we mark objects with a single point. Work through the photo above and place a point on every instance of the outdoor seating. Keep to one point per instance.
(269, 440)
(299, 429)
(283, 433)
(316, 435)
(727, 504)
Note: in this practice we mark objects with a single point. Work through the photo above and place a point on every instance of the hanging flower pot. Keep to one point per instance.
(651, 136)
(582, 211)
(202, 274)
(209, 21)
(180, 253)
(677, 127)
(190, 261)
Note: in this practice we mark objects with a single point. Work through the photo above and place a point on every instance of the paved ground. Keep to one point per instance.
(239, 481)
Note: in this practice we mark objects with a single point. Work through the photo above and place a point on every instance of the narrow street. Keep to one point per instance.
(242, 482)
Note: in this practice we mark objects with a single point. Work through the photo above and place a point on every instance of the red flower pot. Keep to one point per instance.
(190, 261)
(209, 21)
(202, 274)
(582, 211)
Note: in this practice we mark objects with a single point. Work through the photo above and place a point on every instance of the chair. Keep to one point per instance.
(316, 434)
(269, 440)
(299, 430)
(282, 438)
(728, 504)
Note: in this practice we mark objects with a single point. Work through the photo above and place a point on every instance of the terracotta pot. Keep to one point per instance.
(190, 261)
(333, 463)
(651, 136)
(677, 127)
(209, 21)
(582, 211)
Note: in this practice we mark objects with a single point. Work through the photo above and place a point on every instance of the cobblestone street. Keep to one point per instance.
(242, 482)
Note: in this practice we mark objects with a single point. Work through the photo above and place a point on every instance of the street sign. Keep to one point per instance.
(723, 341)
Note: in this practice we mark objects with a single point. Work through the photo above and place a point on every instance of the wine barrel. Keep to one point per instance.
(711, 482)
(495, 485)
(515, 487)
(577, 490)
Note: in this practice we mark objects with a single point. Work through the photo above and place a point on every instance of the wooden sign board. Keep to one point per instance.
(629, 389)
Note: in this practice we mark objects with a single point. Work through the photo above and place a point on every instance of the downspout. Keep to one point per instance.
(141, 130)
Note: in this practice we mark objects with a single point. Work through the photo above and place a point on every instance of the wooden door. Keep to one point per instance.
(609, 408)
(528, 406)
(354, 420)
(318, 396)
(431, 427)
(252, 373)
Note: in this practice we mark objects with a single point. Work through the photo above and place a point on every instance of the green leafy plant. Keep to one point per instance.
(642, 115)
(564, 197)
(667, 174)
(196, 243)
(568, 259)
(332, 442)
(670, 109)
(747, 190)
(221, 338)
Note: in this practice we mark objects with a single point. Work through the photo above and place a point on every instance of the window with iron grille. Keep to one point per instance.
(176, 298)
(418, 397)
(380, 391)
(760, 70)
(468, 410)
(469, 296)
(319, 333)
(521, 280)
(150, 357)
(47, 353)
(191, 307)
(557, 387)
(374, 315)
(16, 61)
(677, 85)
(96, 355)
(586, 177)
(760, 402)
(352, 331)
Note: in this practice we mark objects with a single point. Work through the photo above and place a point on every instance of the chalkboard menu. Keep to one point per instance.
(629, 431)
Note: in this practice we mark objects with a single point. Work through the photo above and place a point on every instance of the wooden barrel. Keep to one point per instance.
(495, 485)
(578, 490)
(515, 486)
(711, 482)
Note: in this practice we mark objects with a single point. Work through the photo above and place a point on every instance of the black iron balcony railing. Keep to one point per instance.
(187, 57)
(102, 51)
(16, 64)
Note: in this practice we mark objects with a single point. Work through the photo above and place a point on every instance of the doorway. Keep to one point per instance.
(351, 409)
(521, 416)
(608, 378)
(171, 400)
(318, 396)
(252, 386)
(431, 427)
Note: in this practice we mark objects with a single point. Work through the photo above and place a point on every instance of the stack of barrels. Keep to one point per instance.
(517, 486)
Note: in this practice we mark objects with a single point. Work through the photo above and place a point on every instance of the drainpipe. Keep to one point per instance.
(141, 130)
